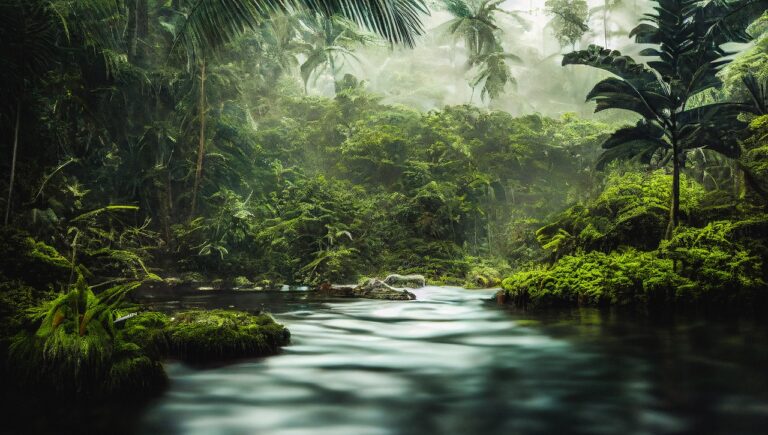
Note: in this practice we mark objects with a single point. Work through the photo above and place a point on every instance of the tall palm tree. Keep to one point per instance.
(493, 73)
(475, 23)
(688, 36)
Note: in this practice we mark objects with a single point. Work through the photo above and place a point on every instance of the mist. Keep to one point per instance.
(434, 73)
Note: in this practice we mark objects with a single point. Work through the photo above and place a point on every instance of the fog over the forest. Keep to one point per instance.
(433, 73)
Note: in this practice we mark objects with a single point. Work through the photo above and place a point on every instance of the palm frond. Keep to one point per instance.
(212, 23)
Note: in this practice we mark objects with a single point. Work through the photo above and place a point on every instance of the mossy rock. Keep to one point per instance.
(147, 330)
(242, 282)
(200, 336)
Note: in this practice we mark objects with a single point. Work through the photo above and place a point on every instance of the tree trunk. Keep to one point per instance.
(137, 27)
(605, 23)
(201, 145)
(674, 210)
(13, 161)
(739, 183)
(142, 18)
(332, 63)
(488, 229)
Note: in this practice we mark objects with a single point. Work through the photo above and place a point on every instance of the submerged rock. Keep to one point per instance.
(410, 281)
(371, 289)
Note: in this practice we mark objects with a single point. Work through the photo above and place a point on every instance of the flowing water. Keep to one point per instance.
(452, 362)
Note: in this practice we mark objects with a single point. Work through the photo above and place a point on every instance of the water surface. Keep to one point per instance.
(452, 362)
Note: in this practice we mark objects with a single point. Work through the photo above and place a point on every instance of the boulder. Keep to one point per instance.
(371, 289)
(410, 281)
(378, 289)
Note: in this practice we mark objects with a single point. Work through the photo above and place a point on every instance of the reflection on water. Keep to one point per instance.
(453, 363)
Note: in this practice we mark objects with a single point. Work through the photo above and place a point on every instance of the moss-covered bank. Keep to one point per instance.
(718, 265)
(74, 346)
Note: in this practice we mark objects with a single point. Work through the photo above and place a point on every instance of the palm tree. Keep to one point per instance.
(493, 73)
(688, 36)
(328, 42)
(281, 44)
(210, 24)
(475, 24)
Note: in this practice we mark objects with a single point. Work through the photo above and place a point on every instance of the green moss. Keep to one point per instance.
(717, 265)
(32, 262)
(486, 274)
(241, 281)
(632, 210)
(220, 334)
(726, 267)
(147, 330)
(69, 345)
(596, 278)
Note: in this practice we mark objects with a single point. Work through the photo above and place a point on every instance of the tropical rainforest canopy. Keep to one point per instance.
(571, 152)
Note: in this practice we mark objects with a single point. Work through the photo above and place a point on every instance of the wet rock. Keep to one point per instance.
(371, 289)
(410, 281)
(378, 289)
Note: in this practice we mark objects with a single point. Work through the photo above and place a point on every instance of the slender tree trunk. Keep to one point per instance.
(130, 29)
(137, 27)
(488, 229)
(332, 62)
(674, 210)
(740, 185)
(13, 161)
(605, 23)
(201, 145)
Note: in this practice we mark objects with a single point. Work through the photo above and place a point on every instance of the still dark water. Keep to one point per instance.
(452, 362)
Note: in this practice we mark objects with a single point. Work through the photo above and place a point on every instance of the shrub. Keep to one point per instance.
(74, 348)
(632, 210)
(723, 269)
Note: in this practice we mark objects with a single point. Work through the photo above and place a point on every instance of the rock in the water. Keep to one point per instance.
(378, 289)
(410, 281)
(372, 289)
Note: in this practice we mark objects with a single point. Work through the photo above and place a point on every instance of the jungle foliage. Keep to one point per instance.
(612, 249)
(156, 139)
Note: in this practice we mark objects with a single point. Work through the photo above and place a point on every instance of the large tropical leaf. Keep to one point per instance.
(614, 62)
(722, 21)
(212, 23)
(638, 142)
(614, 93)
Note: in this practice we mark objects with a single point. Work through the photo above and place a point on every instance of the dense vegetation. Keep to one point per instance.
(178, 140)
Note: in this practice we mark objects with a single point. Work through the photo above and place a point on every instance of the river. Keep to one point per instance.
(452, 362)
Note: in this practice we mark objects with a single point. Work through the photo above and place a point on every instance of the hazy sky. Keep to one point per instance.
(433, 74)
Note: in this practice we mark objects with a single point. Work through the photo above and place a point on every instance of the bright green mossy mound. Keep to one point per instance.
(199, 336)
(595, 279)
(718, 265)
